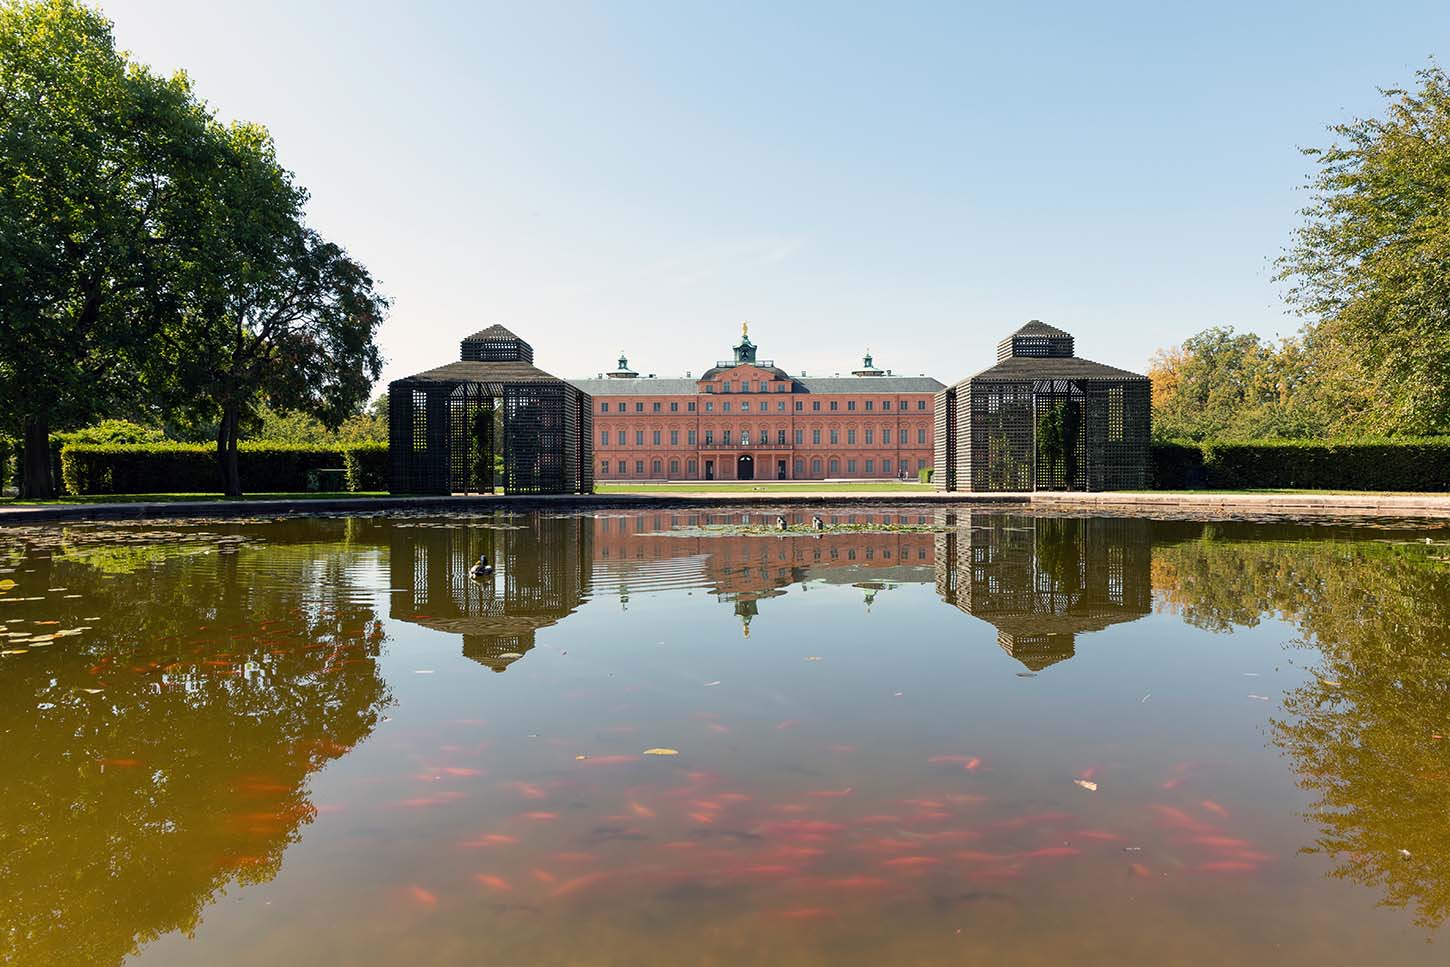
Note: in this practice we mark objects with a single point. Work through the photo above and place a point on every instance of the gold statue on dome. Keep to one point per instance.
(745, 329)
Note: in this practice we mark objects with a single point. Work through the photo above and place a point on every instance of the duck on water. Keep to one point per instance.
(482, 569)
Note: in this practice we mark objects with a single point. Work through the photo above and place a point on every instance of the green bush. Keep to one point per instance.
(7, 450)
(1177, 466)
(924, 475)
(367, 466)
(1403, 463)
(148, 468)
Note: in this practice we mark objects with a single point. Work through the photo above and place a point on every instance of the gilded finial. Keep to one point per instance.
(745, 329)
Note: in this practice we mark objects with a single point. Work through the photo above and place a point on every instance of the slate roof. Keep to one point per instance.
(1016, 369)
(689, 387)
(492, 332)
(485, 372)
(1038, 328)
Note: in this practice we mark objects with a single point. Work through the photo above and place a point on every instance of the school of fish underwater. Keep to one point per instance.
(911, 736)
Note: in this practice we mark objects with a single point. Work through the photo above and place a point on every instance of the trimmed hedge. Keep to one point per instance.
(7, 450)
(367, 466)
(1405, 463)
(148, 468)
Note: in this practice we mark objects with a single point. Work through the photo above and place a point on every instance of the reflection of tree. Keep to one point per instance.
(226, 680)
(1361, 733)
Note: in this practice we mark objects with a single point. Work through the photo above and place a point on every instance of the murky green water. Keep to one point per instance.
(950, 740)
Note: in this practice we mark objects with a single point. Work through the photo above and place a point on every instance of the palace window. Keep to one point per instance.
(725, 437)
(690, 437)
(800, 405)
(850, 404)
(744, 406)
(639, 438)
(604, 438)
(886, 465)
(800, 437)
(870, 467)
(921, 437)
(886, 404)
(835, 467)
(604, 407)
(656, 439)
(850, 437)
(620, 436)
(850, 466)
(639, 407)
(835, 436)
(690, 406)
(816, 405)
(674, 468)
(780, 437)
(816, 436)
(674, 438)
(868, 404)
(727, 406)
(886, 434)
(816, 467)
(709, 406)
(709, 438)
(674, 407)
(869, 434)
(833, 404)
(639, 468)
(656, 407)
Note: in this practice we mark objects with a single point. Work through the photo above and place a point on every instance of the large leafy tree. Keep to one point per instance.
(274, 313)
(99, 165)
(1220, 384)
(1370, 266)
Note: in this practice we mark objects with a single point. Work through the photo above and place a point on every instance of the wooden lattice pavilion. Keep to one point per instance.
(491, 421)
(1043, 419)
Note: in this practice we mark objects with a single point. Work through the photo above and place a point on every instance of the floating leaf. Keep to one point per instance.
(1087, 784)
(661, 751)
(511, 655)
(813, 658)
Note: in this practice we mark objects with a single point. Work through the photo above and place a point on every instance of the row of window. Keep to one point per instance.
(621, 406)
(818, 467)
(762, 437)
(761, 386)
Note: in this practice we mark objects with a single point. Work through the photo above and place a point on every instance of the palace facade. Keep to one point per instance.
(747, 419)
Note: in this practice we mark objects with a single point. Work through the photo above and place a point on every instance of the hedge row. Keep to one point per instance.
(148, 468)
(1413, 464)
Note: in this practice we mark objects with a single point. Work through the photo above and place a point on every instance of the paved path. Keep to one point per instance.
(1200, 504)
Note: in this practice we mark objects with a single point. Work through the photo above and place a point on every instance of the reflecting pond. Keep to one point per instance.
(690, 737)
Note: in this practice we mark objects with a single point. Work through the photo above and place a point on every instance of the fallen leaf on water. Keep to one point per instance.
(661, 751)
(511, 655)
(15, 651)
(93, 691)
(813, 658)
(711, 684)
(1087, 784)
(423, 671)
(1259, 698)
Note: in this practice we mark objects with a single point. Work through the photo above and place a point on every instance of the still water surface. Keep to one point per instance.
(916, 738)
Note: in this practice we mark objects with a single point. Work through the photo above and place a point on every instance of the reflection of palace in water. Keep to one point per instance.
(546, 567)
(1038, 581)
(1041, 581)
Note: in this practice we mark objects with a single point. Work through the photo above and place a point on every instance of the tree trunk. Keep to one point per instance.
(35, 477)
(227, 433)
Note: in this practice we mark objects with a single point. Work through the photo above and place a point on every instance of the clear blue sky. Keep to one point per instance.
(919, 178)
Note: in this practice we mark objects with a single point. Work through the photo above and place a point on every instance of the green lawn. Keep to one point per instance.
(762, 486)
(169, 498)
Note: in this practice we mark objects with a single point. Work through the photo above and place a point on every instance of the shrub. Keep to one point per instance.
(1177, 465)
(1402, 463)
(146, 468)
(367, 466)
(924, 475)
(7, 450)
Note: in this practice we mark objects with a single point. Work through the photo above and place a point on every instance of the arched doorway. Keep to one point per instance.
(745, 467)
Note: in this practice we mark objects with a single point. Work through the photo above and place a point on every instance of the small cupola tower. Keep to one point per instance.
(745, 352)
(868, 367)
(622, 371)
